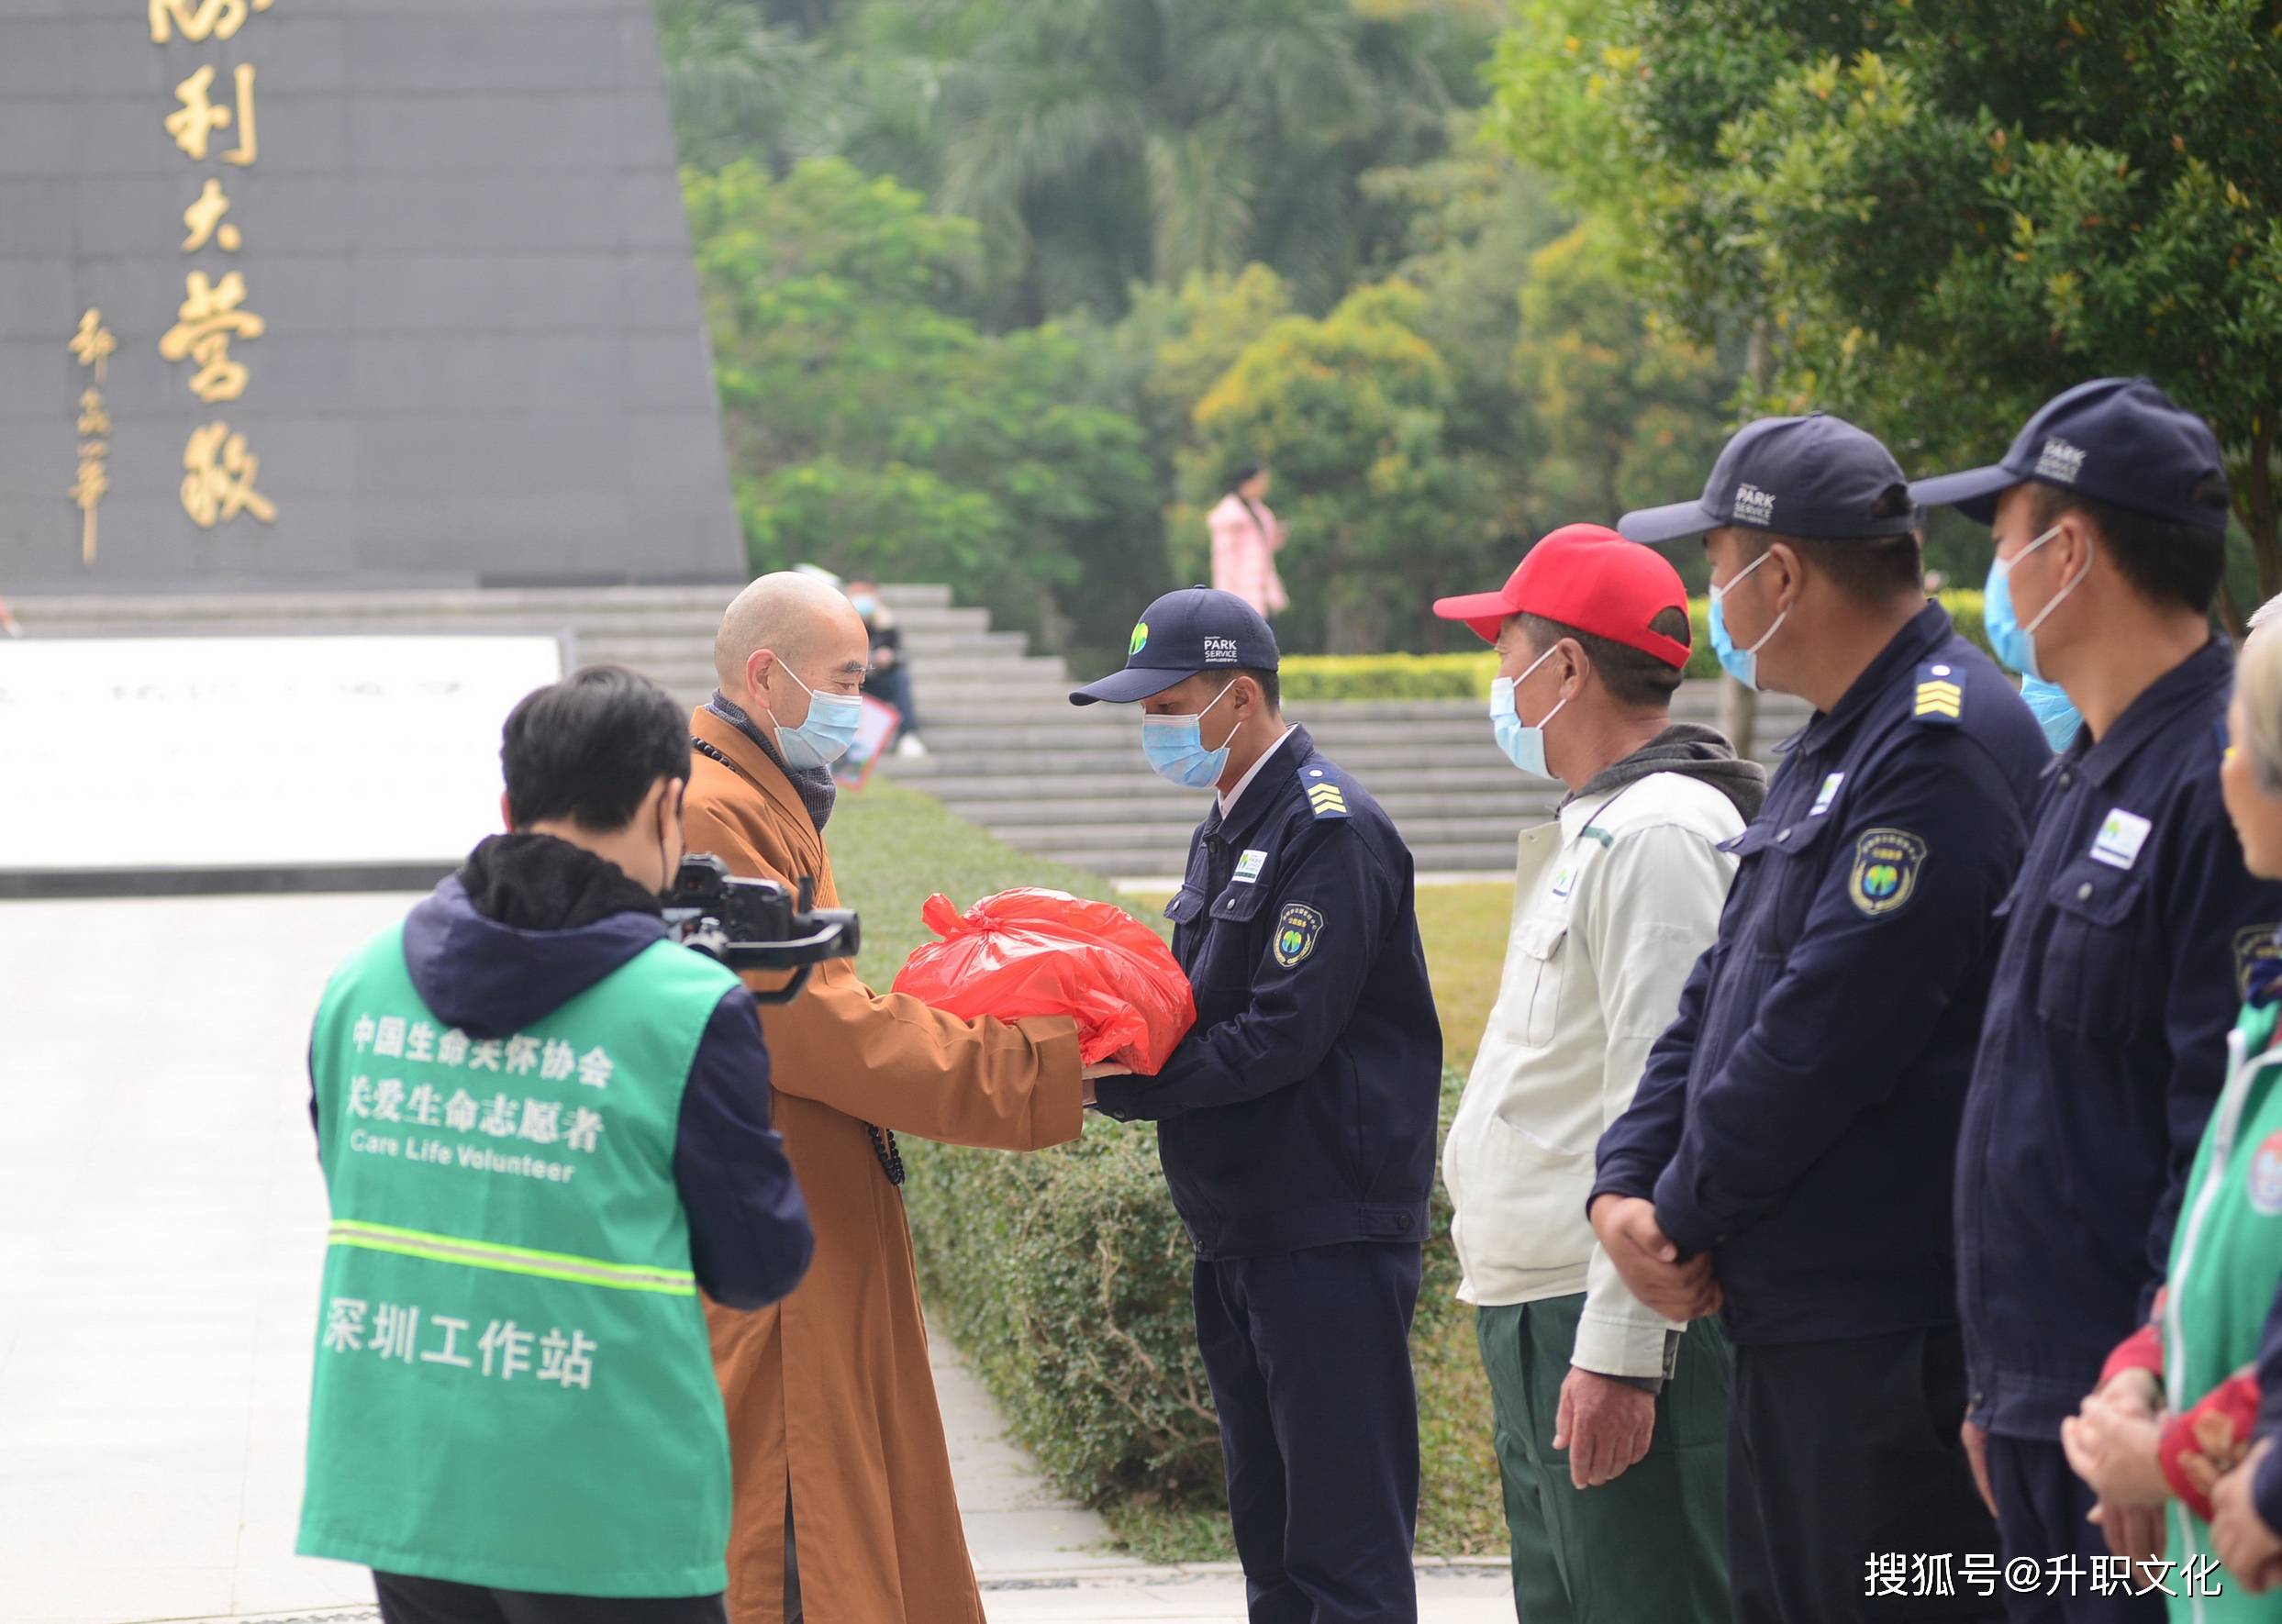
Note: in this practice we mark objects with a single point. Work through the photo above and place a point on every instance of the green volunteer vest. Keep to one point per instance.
(2226, 1260)
(513, 1386)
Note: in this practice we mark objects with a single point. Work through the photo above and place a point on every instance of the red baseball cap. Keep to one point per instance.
(1588, 577)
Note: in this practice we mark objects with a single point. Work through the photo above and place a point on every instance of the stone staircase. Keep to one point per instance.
(1008, 750)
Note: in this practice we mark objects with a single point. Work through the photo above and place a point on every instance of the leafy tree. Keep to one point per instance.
(1944, 214)
(1629, 405)
(1106, 142)
(868, 424)
(736, 83)
(1352, 411)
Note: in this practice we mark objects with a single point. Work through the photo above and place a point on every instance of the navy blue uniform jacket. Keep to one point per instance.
(1799, 1117)
(1302, 1111)
(2129, 946)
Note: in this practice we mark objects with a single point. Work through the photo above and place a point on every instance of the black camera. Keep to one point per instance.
(755, 924)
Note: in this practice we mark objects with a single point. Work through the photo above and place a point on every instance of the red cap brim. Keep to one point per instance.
(1484, 612)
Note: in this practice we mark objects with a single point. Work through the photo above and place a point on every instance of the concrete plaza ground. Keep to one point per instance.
(162, 1225)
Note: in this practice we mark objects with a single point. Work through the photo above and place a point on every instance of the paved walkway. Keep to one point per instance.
(161, 1235)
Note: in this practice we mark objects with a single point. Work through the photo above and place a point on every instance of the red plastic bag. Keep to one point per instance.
(1033, 952)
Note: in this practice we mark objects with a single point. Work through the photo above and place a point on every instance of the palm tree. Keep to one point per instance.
(1101, 141)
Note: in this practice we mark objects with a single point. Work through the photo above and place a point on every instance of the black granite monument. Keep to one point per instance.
(326, 293)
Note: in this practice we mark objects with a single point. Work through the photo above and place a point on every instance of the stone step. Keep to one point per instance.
(924, 630)
(1122, 776)
(998, 726)
(962, 726)
(1110, 840)
(1412, 810)
(970, 684)
(925, 650)
(610, 601)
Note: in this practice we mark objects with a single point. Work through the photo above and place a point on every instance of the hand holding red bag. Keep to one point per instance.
(1033, 952)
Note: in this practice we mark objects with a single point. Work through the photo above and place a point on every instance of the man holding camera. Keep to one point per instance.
(843, 1477)
(543, 1127)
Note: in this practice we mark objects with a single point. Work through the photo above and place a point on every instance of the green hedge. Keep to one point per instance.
(1064, 1275)
(1318, 677)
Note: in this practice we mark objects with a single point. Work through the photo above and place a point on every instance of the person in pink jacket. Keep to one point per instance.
(1245, 538)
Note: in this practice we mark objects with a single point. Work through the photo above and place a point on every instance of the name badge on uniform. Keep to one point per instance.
(1248, 867)
(1564, 877)
(2119, 839)
(1826, 795)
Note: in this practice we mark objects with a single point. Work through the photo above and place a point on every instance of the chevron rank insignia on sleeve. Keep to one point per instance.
(1324, 798)
(1940, 695)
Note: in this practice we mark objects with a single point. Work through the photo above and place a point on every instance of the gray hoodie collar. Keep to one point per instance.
(1692, 751)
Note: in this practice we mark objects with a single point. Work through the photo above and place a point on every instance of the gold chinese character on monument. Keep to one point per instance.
(197, 119)
(210, 317)
(217, 478)
(86, 494)
(199, 19)
(93, 344)
(205, 219)
(93, 418)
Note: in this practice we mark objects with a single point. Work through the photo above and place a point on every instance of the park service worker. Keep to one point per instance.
(1794, 1134)
(2129, 944)
(1611, 1424)
(1295, 1121)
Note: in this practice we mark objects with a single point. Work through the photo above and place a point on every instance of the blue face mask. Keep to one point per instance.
(1524, 745)
(2014, 643)
(2049, 701)
(1742, 664)
(1176, 748)
(825, 736)
(865, 605)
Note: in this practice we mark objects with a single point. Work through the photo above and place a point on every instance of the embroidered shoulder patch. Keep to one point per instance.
(1325, 799)
(1887, 861)
(1297, 929)
(1940, 695)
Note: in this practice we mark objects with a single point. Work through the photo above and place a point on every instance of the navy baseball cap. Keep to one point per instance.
(1816, 476)
(1193, 630)
(2117, 440)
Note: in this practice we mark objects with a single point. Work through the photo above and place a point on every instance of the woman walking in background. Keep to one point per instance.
(1245, 538)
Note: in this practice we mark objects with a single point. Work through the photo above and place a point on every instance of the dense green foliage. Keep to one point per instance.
(1938, 215)
(1001, 289)
(1064, 1275)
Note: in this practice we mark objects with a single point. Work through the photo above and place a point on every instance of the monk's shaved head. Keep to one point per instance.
(792, 615)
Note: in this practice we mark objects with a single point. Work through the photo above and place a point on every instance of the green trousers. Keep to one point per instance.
(1650, 1548)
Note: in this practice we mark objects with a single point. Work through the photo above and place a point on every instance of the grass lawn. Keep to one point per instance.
(891, 846)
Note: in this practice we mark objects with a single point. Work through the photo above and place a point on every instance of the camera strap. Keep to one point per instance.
(883, 1139)
(714, 753)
